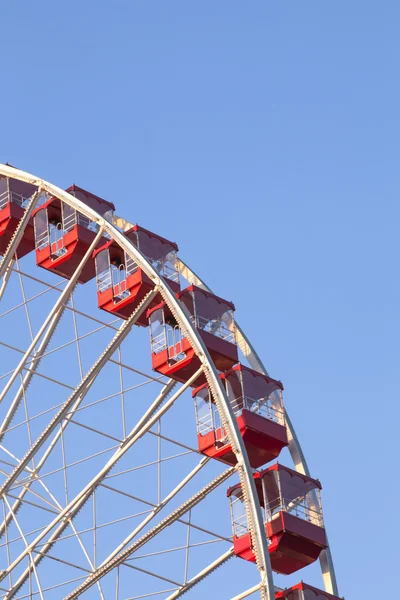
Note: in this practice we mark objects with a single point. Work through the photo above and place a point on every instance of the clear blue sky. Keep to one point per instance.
(264, 138)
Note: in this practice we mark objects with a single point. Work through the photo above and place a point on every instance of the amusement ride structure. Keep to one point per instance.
(131, 436)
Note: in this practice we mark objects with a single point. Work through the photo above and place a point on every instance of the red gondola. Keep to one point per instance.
(293, 518)
(256, 401)
(14, 198)
(121, 284)
(303, 591)
(172, 353)
(63, 235)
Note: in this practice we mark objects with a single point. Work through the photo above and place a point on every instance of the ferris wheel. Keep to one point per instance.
(139, 429)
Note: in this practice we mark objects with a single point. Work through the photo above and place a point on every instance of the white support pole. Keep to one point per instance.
(247, 593)
(202, 575)
(6, 277)
(26, 543)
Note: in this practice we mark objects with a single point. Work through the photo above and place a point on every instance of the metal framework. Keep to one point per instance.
(28, 543)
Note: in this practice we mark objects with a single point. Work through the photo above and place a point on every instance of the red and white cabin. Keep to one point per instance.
(63, 235)
(293, 518)
(121, 284)
(172, 354)
(256, 401)
(303, 591)
(14, 198)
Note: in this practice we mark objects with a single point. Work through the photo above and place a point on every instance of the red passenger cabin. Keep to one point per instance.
(14, 198)
(172, 354)
(256, 401)
(63, 235)
(293, 518)
(121, 284)
(303, 591)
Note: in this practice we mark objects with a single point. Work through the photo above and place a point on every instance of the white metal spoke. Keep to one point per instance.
(202, 575)
(187, 548)
(247, 593)
(6, 277)
(25, 304)
(31, 562)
